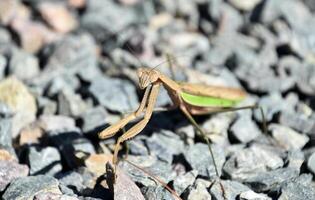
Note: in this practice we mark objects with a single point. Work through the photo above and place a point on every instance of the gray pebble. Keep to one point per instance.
(271, 180)
(3, 63)
(137, 147)
(251, 195)
(199, 158)
(199, 191)
(94, 119)
(245, 130)
(46, 106)
(249, 161)
(72, 182)
(28, 187)
(70, 103)
(156, 193)
(115, 94)
(232, 190)
(6, 128)
(44, 161)
(10, 170)
(23, 65)
(165, 145)
(288, 138)
(184, 181)
(311, 163)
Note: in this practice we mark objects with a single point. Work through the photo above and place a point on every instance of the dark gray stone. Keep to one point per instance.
(247, 162)
(199, 158)
(44, 161)
(69, 142)
(28, 187)
(271, 180)
(300, 188)
(94, 119)
(156, 193)
(100, 15)
(68, 56)
(297, 121)
(183, 181)
(72, 182)
(63, 82)
(23, 65)
(155, 167)
(232, 189)
(137, 147)
(287, 138)
(165, 145)
(70, 103)
(10, 170)
(115, 94)
(198, 191)
(245, 130)
(6, 128)
(3, 63)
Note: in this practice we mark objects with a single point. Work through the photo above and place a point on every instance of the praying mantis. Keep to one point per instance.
(191, 99)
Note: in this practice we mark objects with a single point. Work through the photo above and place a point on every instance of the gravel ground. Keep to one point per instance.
(68, 70)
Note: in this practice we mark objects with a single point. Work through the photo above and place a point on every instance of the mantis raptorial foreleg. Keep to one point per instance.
(112, 130)
(133, 131)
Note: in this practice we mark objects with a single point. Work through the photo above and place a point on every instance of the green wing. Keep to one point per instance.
(206, 101)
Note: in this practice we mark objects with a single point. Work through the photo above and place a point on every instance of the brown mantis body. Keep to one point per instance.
(152, 80)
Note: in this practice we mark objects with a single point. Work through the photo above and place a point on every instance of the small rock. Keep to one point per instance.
(183, 181)
(199, 191)
(244, 129)
(44, 161)
(10, 170)
(271, 180)
(165, 145)
(156, 193)
(69, 143)
(6, 128)
(232, 189)
(30, 134)
(137, 147)
(28, 187)
(123, 187)
(288, 138)
(58, 16)
(53, 196)
(295, 159)
(16, 95)
(296, 189)
(251, 195)
(155, 167)
(199, 158)
(56, 123)
(94, 119)
(70, 104)
(311, 163)
(124, 98)
(23, 65)
(246, 5)
(46, 106)
(248, 162)
(3, 63)
(95, 163)
(77, 3)
(73, 181)
(61, 83)
(298, 122)
(6, 155)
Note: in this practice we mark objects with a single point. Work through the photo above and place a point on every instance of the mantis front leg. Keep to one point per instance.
(113, 129)
(133, 131)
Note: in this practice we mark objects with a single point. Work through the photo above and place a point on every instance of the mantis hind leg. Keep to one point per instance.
(204, 136)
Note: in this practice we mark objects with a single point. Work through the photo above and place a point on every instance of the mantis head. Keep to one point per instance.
(147, 76)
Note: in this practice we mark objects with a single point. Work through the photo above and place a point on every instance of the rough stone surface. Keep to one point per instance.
(44, 161)
(10, 170)
(17, 96)
(28, 187)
